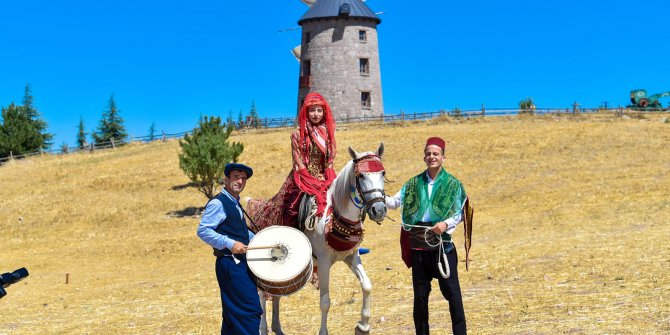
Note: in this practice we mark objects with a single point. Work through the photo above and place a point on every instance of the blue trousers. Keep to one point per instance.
(239, 297)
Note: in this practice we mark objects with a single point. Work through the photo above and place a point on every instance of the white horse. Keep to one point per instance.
(357, 191)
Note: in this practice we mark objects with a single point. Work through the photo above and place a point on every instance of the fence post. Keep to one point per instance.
(11, 155)
(575, 107)
(92, 147)
(163, 139)
(483, 110)
(112, 139)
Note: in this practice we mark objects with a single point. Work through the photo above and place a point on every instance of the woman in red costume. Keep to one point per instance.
(313, 151)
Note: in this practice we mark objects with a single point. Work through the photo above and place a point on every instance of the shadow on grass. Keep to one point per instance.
(183, 186)
(188, 211)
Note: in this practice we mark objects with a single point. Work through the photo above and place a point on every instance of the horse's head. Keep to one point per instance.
(369, 174)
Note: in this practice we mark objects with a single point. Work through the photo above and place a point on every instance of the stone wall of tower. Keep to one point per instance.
(333, 49)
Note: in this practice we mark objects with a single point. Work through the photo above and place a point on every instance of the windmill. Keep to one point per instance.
(339, 57)
(296, 51)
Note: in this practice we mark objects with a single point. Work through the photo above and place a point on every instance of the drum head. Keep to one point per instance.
(290, 254)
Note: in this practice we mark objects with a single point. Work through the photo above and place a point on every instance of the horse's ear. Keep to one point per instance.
(380, 150)
(353, 153)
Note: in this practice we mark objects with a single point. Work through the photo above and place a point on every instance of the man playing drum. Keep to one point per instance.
(433, 203)
(224, 228)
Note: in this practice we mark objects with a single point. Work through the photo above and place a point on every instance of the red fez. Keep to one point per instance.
(436, 141)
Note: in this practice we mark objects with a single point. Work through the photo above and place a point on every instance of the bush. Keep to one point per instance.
(205, 154)
(527, 106)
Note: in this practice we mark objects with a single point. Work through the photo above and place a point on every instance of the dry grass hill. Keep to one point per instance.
(571, 233)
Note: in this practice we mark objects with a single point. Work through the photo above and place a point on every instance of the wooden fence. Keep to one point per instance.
(386, 118)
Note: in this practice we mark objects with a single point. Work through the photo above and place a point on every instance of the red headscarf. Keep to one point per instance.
(322, 134)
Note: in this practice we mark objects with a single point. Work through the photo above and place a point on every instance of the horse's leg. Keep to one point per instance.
(264, 324)
(276, 325)
(324, 276)
(354, 261)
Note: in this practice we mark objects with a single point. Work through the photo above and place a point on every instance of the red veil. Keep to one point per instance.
(328, 122)
(305, 181)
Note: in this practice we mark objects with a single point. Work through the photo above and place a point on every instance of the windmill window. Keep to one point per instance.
(362, 36)
(366, 100)
(308, 37)
(306, 67)
(364, 66)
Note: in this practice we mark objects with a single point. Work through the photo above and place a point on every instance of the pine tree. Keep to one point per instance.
(206, 152)
(240, 120)
(152, 132)
(253, 115)
(39, 125)
(22, 130)
(110, 126)
(230, 120)
(81, 134)
(17, 135)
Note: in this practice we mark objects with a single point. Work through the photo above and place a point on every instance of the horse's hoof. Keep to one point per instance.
(358, 331)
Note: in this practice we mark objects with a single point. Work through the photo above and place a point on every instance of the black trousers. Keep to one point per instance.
(424, 269)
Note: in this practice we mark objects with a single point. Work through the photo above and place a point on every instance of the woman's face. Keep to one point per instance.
(315, 114)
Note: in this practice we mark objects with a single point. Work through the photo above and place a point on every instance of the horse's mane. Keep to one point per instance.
(341, 184)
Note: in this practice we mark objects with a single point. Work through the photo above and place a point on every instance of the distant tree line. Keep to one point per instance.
(23, 131)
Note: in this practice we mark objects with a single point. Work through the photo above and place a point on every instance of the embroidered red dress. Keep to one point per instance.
(313, 153)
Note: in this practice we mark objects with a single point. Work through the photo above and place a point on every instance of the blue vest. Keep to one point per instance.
(234, 226)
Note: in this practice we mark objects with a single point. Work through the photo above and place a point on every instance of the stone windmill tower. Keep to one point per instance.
(339, 57)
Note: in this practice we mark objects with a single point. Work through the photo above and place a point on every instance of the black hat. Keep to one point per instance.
(237, 166)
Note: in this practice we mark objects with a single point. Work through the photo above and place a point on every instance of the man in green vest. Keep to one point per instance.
(433, 204)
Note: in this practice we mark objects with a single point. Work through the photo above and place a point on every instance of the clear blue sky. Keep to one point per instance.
(168, 62)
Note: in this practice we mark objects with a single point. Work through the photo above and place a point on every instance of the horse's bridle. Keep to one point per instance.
(368, 164)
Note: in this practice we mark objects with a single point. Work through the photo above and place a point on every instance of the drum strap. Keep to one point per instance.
(250, 220)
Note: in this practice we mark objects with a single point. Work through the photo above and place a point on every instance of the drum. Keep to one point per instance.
(281, 259)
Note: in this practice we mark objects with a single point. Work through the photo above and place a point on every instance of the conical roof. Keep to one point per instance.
(331, 8)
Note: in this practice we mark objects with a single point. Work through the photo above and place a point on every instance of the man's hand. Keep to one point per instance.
(439, 228)
(239, 248)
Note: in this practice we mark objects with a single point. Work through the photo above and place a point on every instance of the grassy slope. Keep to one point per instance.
(571, 228)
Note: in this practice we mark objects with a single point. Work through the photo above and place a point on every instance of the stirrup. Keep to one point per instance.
(308, 212)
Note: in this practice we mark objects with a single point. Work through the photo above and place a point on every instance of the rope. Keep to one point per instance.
(445, 272)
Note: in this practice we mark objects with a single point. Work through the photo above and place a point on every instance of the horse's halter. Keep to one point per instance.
(367, 165)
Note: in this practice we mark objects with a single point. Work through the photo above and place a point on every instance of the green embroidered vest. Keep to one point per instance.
(446, 199)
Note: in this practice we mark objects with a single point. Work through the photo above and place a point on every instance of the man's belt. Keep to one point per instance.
(226, 252)
(220, 253)
(422, 238)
